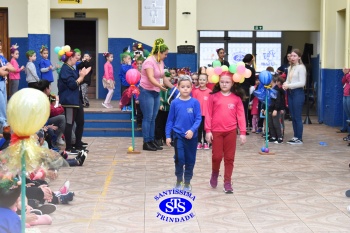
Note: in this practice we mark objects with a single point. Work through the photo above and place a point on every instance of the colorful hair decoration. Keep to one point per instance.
(159, 47)
(8, 182)
(14, 48)
(184, 71)
(43, 48)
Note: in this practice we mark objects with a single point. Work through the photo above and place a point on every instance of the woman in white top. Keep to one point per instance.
(295, 87)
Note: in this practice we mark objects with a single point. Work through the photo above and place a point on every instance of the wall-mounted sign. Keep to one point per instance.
(80, 15)
(258, 27)
(70, 1)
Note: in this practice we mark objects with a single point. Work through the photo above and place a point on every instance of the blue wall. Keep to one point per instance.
(116, 46)
(330, 97)
(33, 42)
(22, 60)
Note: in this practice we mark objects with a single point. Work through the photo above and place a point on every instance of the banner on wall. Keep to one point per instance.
(70, 1)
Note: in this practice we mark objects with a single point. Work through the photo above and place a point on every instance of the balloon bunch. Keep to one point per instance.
(63, 52)
(238, 70)
(264, 92)
(132, 77)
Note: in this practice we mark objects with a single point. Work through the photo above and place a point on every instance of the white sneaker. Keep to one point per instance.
(60, 141)
(296, 142)
(105, 105)
(348, 208)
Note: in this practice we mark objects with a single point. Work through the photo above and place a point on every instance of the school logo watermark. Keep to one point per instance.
(175, 205)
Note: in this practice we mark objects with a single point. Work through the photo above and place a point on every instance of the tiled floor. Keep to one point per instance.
(299, 189)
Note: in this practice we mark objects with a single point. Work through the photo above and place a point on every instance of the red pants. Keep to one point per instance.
(224, 146)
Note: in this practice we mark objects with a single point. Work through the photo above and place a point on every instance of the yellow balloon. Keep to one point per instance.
(66, 48)
(61, 52)
(240, 63)
(224, 68)
(28, 111)
(215, 78)
(242, 79)
(130, 149)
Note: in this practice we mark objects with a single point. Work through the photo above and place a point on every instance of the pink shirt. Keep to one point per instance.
(15, 75)
(224, 113)
(108, 71)
(158, 71)
(346, 83)
(202, 96)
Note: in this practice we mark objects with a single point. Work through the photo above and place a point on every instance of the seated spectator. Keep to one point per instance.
(57, 117)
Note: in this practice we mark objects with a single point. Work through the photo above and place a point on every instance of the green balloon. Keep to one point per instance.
(233, 68)
(216, 63)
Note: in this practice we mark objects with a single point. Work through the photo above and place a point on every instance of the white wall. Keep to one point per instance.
(18, 17)
(299, 15)
(102, 23)
(123, 20)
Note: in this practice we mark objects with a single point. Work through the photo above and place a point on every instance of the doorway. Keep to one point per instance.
(82, 34)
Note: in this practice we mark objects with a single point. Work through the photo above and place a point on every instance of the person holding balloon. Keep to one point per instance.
(221, 57)
(225, 113)
(294, 85)
(71, 99)
(152, 81)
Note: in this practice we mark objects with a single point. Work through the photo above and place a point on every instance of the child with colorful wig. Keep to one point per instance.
(225, 114)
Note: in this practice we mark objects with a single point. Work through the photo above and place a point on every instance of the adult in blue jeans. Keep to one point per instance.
(346, 99)
(294, 85)
(5, 67)
(152, 81)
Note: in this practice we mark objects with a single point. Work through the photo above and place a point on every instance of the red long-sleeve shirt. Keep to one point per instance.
(346, 82)
(202, 96)
(224, 113)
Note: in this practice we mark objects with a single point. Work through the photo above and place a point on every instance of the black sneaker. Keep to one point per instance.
(155, 144)
(297, 142)
(272, 139)
(47, 208)
(292, 140)
(36, 212)
(82, 158)
(148, 146)
(279, 141)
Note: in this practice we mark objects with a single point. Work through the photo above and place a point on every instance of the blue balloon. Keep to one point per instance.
(57, 49)
(265, 77)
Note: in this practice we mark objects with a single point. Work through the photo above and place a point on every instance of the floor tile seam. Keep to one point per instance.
(101, 197)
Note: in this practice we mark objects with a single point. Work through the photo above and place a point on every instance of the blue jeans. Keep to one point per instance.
(185, 156)
(3, 102)
(346, 107)
(149, 103)
(296, 99)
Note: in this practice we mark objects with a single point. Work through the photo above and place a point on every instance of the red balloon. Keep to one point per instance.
(133, 76)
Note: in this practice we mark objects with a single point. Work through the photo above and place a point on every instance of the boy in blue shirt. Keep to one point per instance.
(9, 193)
(182, 125)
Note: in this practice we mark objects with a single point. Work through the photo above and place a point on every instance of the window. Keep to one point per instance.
(268, 54)
(269, 34)
(237, 51)
(212, 34)
(208, 53)
(241, 34)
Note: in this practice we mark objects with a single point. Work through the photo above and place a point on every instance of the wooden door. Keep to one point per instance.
(4, 38)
